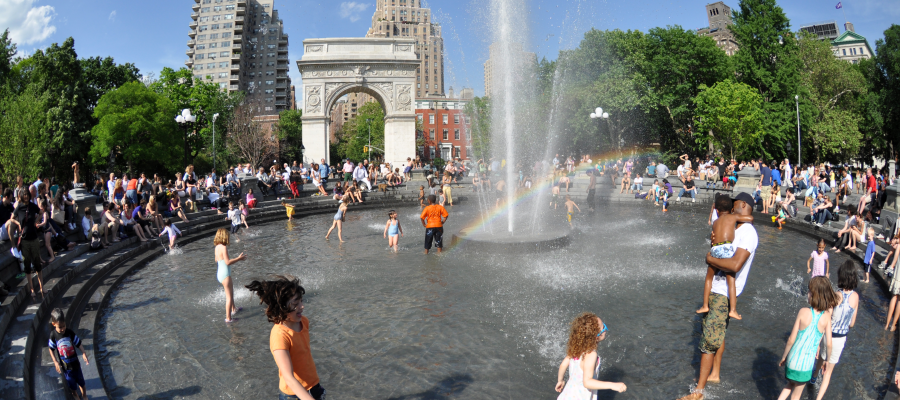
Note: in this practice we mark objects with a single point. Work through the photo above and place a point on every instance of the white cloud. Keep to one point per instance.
(112, 16)
(26, 24)
(351, 10)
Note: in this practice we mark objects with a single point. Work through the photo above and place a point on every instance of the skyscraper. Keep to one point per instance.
(241, 45)
(521, 60)
(407, 18)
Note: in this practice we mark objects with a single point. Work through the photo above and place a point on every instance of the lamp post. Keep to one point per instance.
(185, 119)
(216, 115)
(797, 104)
(599, 114)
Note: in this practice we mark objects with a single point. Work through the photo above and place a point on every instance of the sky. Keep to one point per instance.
(153, 34)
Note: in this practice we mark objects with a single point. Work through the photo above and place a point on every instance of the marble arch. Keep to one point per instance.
(382, 68)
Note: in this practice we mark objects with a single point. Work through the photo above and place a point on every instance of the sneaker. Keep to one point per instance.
(678, 199)
(693, 200)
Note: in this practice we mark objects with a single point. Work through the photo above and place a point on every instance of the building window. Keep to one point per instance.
(446, 136)
(226, 35)
(223, 64)
(431, 134)
(213, 36)
(228, 25)
(270, 82)
(418, 86)
(210, 66)
(223, 74)
(270, 64)
(456, 120)
(201, 46)
(845, 51)
(223, 54)
(229, 16)
(456, 134)
(419, 116)
(204, 28)
(431, 121)
(204, 10)
(217, 9)
(229, 7)
(198, 67)
(198, 57)
(444, 117)
(204, 19)
(213, 45)
(270, 91)
(201, 37)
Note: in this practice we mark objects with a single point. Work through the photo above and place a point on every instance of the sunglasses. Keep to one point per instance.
(602, 331)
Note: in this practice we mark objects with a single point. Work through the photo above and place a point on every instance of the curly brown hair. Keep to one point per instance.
(276, 294)
(583, 335)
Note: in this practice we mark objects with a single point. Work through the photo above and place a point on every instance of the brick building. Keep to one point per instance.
(444, 126)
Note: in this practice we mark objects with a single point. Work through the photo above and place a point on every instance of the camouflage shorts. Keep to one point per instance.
(714, 324)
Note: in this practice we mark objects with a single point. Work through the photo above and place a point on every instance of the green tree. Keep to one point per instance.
(22, 132)
(478, 113)
(204, 99)
(102, 75)
(733, 113)
(7, 52)
(289, 130)
(355, 133)
(135, 129)
(768, 61)
(884, 78)
(831, 87)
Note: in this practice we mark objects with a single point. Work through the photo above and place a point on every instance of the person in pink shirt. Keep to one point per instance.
(819, 259)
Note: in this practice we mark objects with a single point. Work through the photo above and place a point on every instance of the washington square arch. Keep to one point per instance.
(382, 68)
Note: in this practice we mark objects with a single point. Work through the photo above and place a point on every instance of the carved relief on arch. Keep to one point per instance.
(313, 100)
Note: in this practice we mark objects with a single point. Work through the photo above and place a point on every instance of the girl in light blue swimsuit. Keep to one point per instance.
(224, 271)
(393, 231)
(338, 221)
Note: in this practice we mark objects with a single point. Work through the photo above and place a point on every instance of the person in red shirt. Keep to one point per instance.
(433, 218)
(870, 192)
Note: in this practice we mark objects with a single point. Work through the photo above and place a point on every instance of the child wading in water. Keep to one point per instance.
(722, 248)
(570, 209)
(581, 355)
(172, 231)
(338, 221)
(63, 342)
(819, 260)
(223, 274)
(802, 346)
(393, 231)
(289, 338)
(289, 209)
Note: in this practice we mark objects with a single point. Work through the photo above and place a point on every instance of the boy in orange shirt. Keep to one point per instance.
(289, 339)
(433, 218)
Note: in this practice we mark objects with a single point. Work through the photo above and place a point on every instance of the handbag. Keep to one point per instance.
(58, 216)
(199, 196)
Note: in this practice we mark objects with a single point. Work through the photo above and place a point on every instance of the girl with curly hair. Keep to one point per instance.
(289, 339)
(581, 355)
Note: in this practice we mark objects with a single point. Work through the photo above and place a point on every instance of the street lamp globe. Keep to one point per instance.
(593, 115)
(605, 115)
(598, 111)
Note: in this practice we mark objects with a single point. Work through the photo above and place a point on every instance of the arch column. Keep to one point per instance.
(397, 144)
(315, 139)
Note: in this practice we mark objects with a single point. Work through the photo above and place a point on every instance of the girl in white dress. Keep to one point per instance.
(581, 355)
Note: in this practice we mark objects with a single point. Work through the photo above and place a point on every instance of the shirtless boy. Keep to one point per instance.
(570, 211)
(722, 248)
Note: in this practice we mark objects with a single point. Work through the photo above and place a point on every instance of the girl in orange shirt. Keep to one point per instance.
(289, 339)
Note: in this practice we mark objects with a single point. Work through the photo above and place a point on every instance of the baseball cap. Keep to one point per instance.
(746, 198)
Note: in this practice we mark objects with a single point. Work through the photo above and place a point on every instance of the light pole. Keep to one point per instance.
(369, 153)
(185, 119)
(216, 115)
(797, 104)
(599, 114)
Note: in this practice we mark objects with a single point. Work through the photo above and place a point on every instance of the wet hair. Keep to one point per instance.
(391, 213)
(821, 295)
(583, 335)
(847, 276)
(432, 198)
(276, 294)
(57, 315)
(221, 237)
(821, 242)
(724, 203)
(168, 221)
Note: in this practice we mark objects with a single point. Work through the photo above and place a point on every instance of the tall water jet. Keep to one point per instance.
(508, 18)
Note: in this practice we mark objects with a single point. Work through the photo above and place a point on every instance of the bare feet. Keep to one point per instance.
(893, 328)
(713, 380)
(734, 314)
(693, 396)
(51, 259)
(703, 309)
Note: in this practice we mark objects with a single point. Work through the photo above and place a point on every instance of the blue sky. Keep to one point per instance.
(153, 34)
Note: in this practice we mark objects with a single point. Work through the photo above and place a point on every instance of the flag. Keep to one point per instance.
(839, 6)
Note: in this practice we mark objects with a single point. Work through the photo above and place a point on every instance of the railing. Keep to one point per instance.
(235, 77)
(282, 57)
(280, 103)
(239, 19)
(193, 24)
(190, 52)
(235, 66)
(195, 7)
(194, 15)
(236, 46)
(281, 85)
(280, 49)
(189, 61)
(241, 9)
(191, 43)
(192, 33)
(235, 56)
(237, 38)
(233, 87)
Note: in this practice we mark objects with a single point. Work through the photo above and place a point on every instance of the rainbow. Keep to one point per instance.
(502, 209)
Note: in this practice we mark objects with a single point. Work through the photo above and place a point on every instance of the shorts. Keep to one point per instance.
(74, 378)
(31, 255)
(436, 235)
(714, 324)
(765, 195)
(317, 392)
(837, 347)
(348, 176)
(723, 251)
(569, 216)
(235, 228)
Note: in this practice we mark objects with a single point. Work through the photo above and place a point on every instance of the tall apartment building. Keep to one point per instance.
(719, 16)
(519, 55)
(408, 19)
(241, 45)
